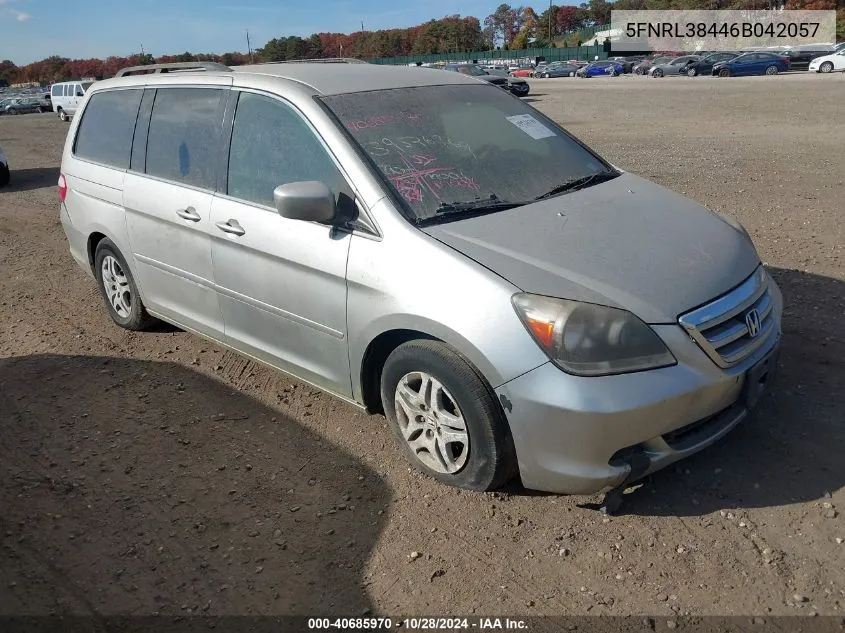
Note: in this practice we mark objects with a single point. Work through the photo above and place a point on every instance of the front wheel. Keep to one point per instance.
(657, 73)
(826, 67)
(445, 417)
(118, 288)
(63, 115)
(724, 73)
(692, 72)
(772, 70)
(4, 176)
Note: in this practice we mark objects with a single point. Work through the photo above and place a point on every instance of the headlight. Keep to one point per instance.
(586, 339)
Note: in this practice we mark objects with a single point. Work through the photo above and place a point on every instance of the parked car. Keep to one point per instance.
(4, 169)
(600, 69)
(514, 85)
(66, 97)
(523, 71)
(704, 65)
(829, 63)
(675, 66)
(799, 59)
(559, 69)
(643, 67)
(628, 63)
(24, 106)
(751, 64)
(528, 344)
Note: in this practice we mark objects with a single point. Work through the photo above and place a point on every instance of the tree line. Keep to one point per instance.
(507, 27)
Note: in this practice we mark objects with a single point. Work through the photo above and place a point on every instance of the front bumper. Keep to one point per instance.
(572, 433)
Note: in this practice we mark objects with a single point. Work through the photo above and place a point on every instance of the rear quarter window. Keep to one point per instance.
(107, 126)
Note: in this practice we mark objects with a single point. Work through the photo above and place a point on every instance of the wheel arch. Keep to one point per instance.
(368, 361)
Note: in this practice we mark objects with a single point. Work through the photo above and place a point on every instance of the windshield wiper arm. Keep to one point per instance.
(479, 204)
(579, 183)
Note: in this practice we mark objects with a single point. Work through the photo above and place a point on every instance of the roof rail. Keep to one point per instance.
(323, 60)
(178, 66)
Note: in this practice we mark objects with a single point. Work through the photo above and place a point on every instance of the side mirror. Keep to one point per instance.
(80, 94)
(307, 200)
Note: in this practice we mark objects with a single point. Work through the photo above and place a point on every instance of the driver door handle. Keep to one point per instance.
(189, 214)
(230, 226)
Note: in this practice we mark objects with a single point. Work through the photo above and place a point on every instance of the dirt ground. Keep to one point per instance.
(155, 473)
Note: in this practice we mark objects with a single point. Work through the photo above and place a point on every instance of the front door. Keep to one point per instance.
(281, 282)
(167, 196)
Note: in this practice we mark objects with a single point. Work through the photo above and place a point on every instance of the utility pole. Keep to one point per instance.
(362, 26)
(249, 48)
(550, 23)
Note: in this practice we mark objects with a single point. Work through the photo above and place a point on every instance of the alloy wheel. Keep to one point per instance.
(431, 422)
(117, 288)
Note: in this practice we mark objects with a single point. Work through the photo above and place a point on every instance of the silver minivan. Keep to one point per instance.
(425, 245)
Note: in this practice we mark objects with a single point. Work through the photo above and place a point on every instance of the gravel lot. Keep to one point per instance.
(156, 473)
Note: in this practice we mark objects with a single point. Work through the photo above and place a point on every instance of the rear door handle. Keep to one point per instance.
(230, 226)
(189, 214)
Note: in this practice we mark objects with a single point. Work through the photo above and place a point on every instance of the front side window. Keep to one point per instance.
(272, 145)
(107, 126)
(184, 130)
(441, 146)
(56, 91)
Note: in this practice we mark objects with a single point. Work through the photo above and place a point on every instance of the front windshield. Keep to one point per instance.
(445, 145)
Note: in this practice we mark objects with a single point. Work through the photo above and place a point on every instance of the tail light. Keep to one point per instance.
(62, 188)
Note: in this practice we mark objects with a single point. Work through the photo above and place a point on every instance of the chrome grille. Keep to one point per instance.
(723, 327)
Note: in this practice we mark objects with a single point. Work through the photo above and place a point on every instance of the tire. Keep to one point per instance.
(544, 76)
(63, 115)
(40, 110)
(657, 73)
(826, 67)
(486, 459)
(4, 176)
(639, 71)
(772, 70)
(131, 315)
(692, 72)
(724, 73)
(14, 112)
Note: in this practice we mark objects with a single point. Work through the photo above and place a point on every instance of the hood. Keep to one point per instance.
(626, 243)
(494, 79)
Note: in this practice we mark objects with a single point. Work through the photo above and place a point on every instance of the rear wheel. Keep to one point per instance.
(772, 70)
(826, 67)
(445, 417)
(118, 288)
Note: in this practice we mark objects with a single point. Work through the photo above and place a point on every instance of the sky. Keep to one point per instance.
(34, 29)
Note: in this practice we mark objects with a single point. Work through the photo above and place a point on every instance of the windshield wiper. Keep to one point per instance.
(479, 206)
(579, 183)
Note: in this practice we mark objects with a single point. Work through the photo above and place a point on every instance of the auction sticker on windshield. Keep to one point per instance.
(531, 126)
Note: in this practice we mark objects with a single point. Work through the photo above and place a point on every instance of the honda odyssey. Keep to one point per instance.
(424, 245)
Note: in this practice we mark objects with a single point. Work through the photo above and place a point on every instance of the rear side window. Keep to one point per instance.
(108, 123)
(184, 129)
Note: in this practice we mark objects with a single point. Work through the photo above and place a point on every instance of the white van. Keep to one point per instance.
(66, 97)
